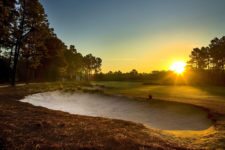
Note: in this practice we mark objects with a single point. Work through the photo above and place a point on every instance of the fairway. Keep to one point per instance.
(210, 97)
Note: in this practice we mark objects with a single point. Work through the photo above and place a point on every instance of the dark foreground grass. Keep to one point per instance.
(23, 126)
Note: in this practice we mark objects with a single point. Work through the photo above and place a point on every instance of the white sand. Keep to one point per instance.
(157, 114)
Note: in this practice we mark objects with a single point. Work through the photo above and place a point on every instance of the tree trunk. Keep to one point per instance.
(27, 71)
(15, 61)
(10, 57)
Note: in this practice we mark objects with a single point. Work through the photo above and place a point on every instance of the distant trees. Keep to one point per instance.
(120, 76)
(133, 74)
(29, 49)
(154, 77)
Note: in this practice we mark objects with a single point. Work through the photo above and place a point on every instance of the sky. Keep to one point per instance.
(145, 35)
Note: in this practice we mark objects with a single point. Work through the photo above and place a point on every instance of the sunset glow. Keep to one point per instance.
(178, 67)
(138, 34)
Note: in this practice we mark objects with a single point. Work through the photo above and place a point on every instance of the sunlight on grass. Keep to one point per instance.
(209, 97)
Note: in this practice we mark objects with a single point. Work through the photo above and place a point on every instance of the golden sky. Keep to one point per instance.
(137, 34)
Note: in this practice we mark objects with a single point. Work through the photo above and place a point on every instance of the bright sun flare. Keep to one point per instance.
(178, 67)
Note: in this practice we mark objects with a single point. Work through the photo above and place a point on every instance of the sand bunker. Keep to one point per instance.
(156, 114)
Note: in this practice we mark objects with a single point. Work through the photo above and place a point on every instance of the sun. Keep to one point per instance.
(178, 67)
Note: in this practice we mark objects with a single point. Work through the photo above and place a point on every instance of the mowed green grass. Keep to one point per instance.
(211, 97)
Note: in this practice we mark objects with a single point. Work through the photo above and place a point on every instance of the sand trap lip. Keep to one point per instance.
(157, 114)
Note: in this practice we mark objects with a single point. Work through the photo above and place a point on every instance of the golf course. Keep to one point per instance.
(104, 114)
(112, 75)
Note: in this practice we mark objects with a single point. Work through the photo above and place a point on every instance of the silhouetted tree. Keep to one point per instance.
(37, 53)
(34, 49)
(7, 16)
(4, 73)
(74, 62)
(198, 58)
(133, 75)
(30, 16)
(53, 63)
(210, 60)
(89, 64)
(217, 53)
(97, 64)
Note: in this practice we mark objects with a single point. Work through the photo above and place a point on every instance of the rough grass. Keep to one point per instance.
(28, 127)
(23, 126)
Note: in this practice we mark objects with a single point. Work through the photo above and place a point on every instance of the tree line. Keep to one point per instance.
(31, 51)
(154, 77)
(208, 63)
